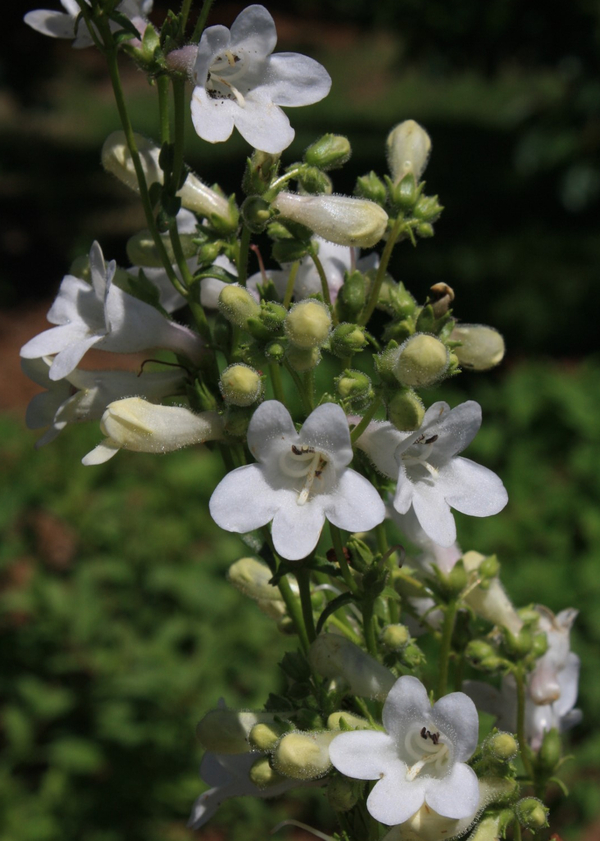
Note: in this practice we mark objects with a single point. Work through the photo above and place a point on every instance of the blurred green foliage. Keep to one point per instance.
(118, 630)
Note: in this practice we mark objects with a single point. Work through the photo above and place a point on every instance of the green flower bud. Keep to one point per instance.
(424, 230)
(260, 170)
(289, 250)
(404, 193)
(252, 577)
(352, 296)
(304, 756)
(550, 751)
(256, 213)
(264, 736)
(240, 385)
(492, 827)
(427, 209)
(347, 339)
(262, 775)
(395, 637)
(353, 386)
(275, 351)
(412, 656)
(395, 299)
(142, 251)
(339, 219)
(371, 187)
(227, 731)
(342, 793)
(273, 315)
(303, 360)
(519, 644)
(236, 419)
(408, 148)
(481, 347)
(237, 304)
(540, 645)
(308, 324)
(342, 720)
(405, 410)
(314, 181)
(531, 813)
(483, 656)
(398, 332)
(501, 746)
(489, 567)
(421, 361)
(329, 152)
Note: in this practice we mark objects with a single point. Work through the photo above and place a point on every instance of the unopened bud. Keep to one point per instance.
(275, 351)
(256, 213)
(347, 339)
(519, 644)
(440, 298)
(264, 736)
(142, 250)
(353, 385)
(352, 295)
(342, 793)
(395, 299)
(427, 208)
(313, 180)
(342, 720)
(421, 361)
(334, 656)
(303, 360)
(501, 746)
(492, 827)
(483, 656)
(481, 347)
(531, 813)
(261, 168)
(329, 152)
(308, 324)
(262, 775)
(550, 751)
(395, 637)
(405, 410)
(304, 756)
(272, 315)
(408, 148)
(228, 731)
(240, 385)
(404, 193)
(412, 656)
(340, 219)
(371, 187)
(237, 304)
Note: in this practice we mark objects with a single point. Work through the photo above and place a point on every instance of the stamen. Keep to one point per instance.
(317, 466)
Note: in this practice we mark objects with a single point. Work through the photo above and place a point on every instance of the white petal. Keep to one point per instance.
(243, 500)
(270, 423)
(214, 40)
(355, 505)
(380, 441)
(213, 119)
(263, 124)
(434, 514)
(568, 679)
(296, 528)
(407, 702)
(295, 79)
(364, 754)
(254, 30)
(471, 488)
(326, 429)
(53, 24)
(456, 795)
(394, 799)
(456, 428)
(103, 452)
(66, 360)
(405, 491)
(456, 715)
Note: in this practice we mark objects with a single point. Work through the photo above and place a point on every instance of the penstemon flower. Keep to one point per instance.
(239, 83)
(65, 25)
(419, 759)
(301, 479)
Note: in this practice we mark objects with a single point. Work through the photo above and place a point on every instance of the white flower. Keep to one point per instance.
(239, 83)
(228, 776)
(551, 687)
(84, 395)
(430, 475)
(135, 424)
(103, 316)
(62, 24)
(419, 759)
(342, 219)
(301, 480)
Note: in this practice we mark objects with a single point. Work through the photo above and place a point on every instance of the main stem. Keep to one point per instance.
(447, 632)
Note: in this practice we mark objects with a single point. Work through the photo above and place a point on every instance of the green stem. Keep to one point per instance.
(201, 22)
(300, 387)
(242, 260)
(338, 545)
(445, 651)
(277, 382)
(385, 259)
(289, 289)
(183, 17)
(162, 86)
(365, 421)
(302, 574)
(295, 612)
(369, 627)
(324, 284)
(280, 182)
(179, 109)
(521, 701)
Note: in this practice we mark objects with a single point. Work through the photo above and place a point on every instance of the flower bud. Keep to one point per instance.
(308, 324)
(334, 656)
(519, 644)
(550, 751)
(304, 756)
(395, 637)
(314, 181)
(483, 656)
(501, 746)
(228, 731)
(262, 775)
(261, 168)
(421, 361)
(427, 208)
(142, 250)
(273, 315)
(256, 213)
(531, 813)
(353, 386)
(303, 360)
(396, 299)
(264, 736)
(329, 152)
(237, 304)
(408, 148)
(340, 219)
(194, 194)
(347, 339)
(342, 720)
(342, 793)
(275, 351)
(240, 385)
(352, 296)
(481, 347)
(371, 187)
(404, 194)
(405, 410)
(492, 827)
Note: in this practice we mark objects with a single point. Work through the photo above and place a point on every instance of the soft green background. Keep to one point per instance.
(117, 629)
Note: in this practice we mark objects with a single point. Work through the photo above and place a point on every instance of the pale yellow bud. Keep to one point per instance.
(240, 385)
(264, 736)
(481, 347)
(340, 219)
(228, 731)
(237, 304)
(308, 324)
(302, 360)
(304, 756)
(422, 360)
(262, 775)
(252, 577)
(408, 148)
(343, 720)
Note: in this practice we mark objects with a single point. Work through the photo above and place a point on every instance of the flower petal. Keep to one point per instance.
(355, 505)
(254, 30)
(456, 716)
(53, 24)
(434, 514)
(471, 488)
(243, 500)
(394, 799)
(215, 40)
(270, 423)
(263, 124)
(213, 119)
(296, 528)
(66, 360)
(295, 79)
(407, 702)
(326, 429)
(456, 795)
(456, 427)
(364, 754)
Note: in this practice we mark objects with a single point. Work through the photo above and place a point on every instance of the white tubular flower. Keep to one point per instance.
(551, 687)
(408, 148)
(341, 219)
(301, 480)
(101, 315)
(419, 759)
(229, 776)
(431, 476)
(334, 656)
(62, 24)
(239, 83)
(84, 395)
(136, 424)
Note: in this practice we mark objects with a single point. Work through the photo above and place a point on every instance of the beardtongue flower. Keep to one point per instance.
(65, 25)
(239, 83)
(101, 315)
(301, 479)
(431, 477)
(419, 759)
